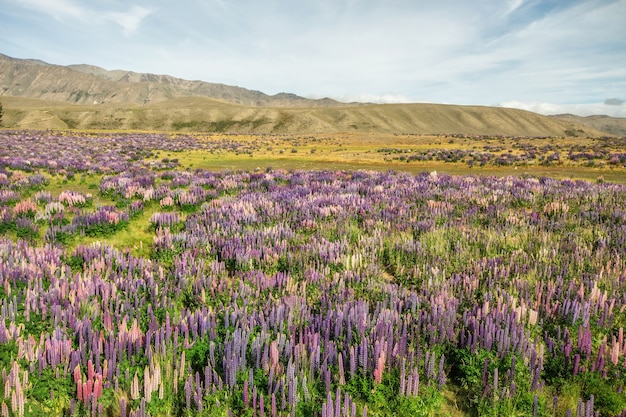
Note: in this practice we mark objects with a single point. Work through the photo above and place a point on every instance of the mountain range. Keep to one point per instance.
(88, 84)
(39, 95)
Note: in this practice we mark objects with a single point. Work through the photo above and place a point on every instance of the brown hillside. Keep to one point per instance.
(611, 125)
(202, 114)
(87, 84)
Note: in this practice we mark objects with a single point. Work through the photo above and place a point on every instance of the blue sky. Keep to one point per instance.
(548, 56)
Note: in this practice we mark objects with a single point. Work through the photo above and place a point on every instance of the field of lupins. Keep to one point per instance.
(301, 293)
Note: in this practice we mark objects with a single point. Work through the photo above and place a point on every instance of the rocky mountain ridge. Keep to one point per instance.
(88, 84)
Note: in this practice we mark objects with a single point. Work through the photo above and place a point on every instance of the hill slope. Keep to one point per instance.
(202, 114)
(611, 125)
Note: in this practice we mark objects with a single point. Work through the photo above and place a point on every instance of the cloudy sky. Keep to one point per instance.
(548, 56)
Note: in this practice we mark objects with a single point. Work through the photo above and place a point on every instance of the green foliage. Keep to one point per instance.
(190, 300)
(6, 226)
(122, 203)
(220, 125)
(36, 325)
(383, 399)
(359, 387)
(288, 265)
(8, 351)
(555, 373)
(163, 256)
(63, 237)
(189, 208)
(76, 263)
(398, 261)
(283, 264)
(28, 232)
(105, 228)
(467, 372)
(607, 400)
(426, 405)
(50, 393)
(198, 355)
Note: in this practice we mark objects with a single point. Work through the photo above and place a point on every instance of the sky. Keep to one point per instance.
(547, 56)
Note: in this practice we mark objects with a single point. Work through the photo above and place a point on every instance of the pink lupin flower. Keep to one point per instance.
(88, 388)
(378, 372)
(77, 375)
(90, 370)
(79, 390)
(97, 387)
(14, 402)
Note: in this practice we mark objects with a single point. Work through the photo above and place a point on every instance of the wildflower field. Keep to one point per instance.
(139, 277)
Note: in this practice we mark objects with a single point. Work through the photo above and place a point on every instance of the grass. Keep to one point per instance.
(137, 237)
(87, 184)
(366, 152)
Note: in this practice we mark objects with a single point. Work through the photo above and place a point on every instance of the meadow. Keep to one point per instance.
(151, 274)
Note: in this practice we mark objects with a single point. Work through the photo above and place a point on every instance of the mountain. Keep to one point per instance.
(611, 125)
(88, 84)
(39, 95)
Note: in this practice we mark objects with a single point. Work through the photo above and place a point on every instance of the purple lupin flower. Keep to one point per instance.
(485, 373)
(273, 405)
(589, 407)
(495, 383)
(188, 392)
(352, 362)
(403, 376)
(342, 379)
(441, 375)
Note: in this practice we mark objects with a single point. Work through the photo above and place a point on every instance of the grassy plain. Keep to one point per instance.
(382, 152)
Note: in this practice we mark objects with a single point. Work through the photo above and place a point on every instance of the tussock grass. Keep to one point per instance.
(367, 152)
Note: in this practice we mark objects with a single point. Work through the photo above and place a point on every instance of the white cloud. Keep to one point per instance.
(513, 5)
(63, 9)
(578, 109)
(374, 98)
(131, 19)
(367, 98)
(451, 51)
(57, 8)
